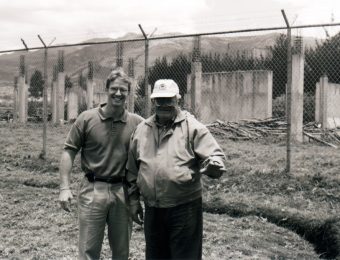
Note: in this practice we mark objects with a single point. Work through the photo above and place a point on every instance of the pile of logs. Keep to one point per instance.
(249, 129)
(252, 129)
(330, 137)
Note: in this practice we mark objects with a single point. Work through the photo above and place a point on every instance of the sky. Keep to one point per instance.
(72, 21)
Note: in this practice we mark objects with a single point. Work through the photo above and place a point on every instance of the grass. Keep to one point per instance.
(255, 211)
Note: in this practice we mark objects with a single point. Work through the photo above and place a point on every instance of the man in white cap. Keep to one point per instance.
(168, 153)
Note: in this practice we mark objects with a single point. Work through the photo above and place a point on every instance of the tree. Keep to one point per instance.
(278, 64)
(323, 60)
(36, 85)
(68, 82)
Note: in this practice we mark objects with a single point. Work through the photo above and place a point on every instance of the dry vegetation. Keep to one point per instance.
(255, 211)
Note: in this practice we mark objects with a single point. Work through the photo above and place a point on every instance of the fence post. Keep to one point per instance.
(196, 78)
(289, 93)
(146, 76)
(72, 103)
(324, 101)
(61, 88)
(15, 99)
(89, 86)
(45, 112)
(296, 110)
(187, 96)
(54, 94)
(22, 92)
(131, 74)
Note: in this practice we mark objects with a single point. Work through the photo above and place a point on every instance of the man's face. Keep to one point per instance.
(165, 107)
(118, 92)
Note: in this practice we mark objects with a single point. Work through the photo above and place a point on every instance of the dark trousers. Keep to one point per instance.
(174, 233)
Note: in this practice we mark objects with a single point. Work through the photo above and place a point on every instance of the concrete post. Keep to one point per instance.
(89, 86)
(297, 91)
(54, 94)
(196, 77)
(60, 98)
(196, 87)
(133, 86)
(72, 103)
(317, 103)
(187, 96)
(22, 97)
(22, 92)
(324, 101)
(60, 89)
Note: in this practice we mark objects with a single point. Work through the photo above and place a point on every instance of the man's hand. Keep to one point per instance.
(65, 198)
(136, 212)
(212, 168)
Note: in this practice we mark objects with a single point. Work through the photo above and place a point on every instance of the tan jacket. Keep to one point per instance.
(165, 170)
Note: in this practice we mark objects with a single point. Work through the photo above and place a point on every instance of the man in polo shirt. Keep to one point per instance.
(102, 134)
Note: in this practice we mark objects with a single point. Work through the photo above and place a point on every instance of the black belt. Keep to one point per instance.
(92, 178)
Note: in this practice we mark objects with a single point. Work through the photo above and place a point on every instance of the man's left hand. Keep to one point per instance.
(136, 212)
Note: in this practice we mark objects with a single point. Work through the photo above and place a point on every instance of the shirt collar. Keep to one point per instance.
(105, 116)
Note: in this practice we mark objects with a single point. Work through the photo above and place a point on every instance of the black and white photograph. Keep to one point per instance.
(184, 130)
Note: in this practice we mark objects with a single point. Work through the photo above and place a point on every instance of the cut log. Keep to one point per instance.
(319, 140)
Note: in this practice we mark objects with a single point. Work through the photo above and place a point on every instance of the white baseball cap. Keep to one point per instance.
(165, 88)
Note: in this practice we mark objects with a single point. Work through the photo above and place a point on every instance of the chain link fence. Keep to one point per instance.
(239, 81)
(224, 77)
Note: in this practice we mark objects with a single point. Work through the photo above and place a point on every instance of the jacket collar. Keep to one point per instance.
(104, 116)
(151, 121)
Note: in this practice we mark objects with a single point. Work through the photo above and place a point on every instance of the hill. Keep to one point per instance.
(104, 55)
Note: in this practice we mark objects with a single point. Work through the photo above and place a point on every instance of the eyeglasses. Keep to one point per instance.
(165, 102)
(121, 90)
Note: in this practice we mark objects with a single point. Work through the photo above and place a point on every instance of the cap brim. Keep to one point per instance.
(162, 95)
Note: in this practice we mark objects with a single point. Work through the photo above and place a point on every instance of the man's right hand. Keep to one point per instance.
(212, 168)
(65, 198)
(136, 212)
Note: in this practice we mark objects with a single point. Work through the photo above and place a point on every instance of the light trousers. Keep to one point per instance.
(101, 203)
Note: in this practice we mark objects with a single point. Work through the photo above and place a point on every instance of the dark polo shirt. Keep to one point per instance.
(104, 142)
